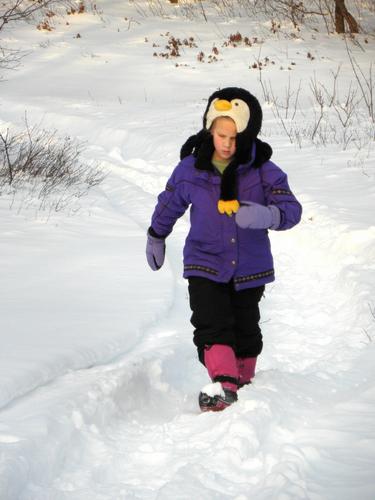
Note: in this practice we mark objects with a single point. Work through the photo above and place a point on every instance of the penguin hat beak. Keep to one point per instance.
(222, 105)
(237, 109)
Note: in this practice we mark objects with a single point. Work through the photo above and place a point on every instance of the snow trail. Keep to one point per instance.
(132, 428)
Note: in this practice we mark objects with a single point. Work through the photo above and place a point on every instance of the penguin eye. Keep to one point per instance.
(239, 103)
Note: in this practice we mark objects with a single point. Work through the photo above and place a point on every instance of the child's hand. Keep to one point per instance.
(254, 216)
(155, 252)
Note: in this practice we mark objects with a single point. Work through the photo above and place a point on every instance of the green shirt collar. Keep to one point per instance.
(220, 165)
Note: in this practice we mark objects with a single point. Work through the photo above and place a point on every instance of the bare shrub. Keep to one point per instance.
(22, 10)
(282, 14)
(284, 108)
(10, 59)
(319, 100)
(45, 169)
(365, 82)
(333, 13)
(336, 116)
(12, 11)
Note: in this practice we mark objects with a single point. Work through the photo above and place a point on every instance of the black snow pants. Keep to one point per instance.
(222, 315)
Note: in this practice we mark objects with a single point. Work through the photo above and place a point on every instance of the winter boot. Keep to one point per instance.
(221, 365)
(246, 370)
(215, 397)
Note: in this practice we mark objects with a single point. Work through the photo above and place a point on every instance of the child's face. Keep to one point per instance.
(224, 133)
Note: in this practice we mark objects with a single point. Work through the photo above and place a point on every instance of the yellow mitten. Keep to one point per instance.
(228, 207)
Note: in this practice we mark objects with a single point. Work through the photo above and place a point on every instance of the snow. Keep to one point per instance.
(214, 389)
(99, 377)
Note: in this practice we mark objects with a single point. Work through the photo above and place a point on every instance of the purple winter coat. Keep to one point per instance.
(216, 248)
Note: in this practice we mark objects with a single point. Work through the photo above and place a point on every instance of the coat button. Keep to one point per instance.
(234, 262)
(233, 240)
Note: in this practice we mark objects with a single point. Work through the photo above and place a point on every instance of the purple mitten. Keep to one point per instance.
(254, 216)
(155, 252)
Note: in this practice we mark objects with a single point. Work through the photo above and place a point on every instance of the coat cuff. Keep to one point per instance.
(154, 234)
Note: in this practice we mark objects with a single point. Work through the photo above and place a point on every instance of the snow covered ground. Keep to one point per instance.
(98, 374)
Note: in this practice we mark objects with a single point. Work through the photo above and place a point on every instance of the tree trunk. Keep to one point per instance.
(341, 15)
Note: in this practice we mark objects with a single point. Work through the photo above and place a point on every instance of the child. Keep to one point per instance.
(235, 195)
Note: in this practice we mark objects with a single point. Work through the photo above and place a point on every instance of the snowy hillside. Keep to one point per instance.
(98, 375)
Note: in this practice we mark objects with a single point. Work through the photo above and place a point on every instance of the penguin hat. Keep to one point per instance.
(244, 109)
